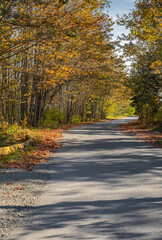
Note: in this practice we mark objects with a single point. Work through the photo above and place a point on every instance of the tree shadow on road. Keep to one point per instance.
(121, 162)
(120, 219)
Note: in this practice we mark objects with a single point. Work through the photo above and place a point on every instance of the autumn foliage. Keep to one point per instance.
(143, 47)
(52, 47)
(146, 135)
(41, 144)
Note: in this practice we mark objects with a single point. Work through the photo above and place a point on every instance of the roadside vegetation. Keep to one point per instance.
(151, 134)
(59, 67)
(143, 48)
(42, 141)
(13, 134)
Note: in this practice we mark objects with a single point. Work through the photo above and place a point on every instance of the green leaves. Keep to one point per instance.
(143, 48)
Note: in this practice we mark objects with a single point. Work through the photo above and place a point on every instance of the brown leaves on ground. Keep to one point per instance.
(44, 141)
(18, 188)
(146, 135)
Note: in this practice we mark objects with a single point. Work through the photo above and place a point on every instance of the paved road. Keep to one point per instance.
(103, 185)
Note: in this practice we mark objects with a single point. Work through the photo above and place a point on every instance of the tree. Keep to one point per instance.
(144, 49)
(46, 45)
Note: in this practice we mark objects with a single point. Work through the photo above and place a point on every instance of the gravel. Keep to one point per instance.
(19, 193)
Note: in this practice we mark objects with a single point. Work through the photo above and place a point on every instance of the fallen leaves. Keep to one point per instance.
(42, 150)
(44, 171)
(45, 141)
(146, 135)
(7, 183)
(18, 188)
(15, 188)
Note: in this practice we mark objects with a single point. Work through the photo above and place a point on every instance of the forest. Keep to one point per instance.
(59, 63)
(80, 119)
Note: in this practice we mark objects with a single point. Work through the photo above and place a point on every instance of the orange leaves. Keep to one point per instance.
(157, 66)
(18, 188)
(147, 21)
(7, 183)
(146, 135)
(30, 158)
(54, 44)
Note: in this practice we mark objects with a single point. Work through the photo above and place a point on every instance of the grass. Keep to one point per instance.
(43, 140)
(10, 135)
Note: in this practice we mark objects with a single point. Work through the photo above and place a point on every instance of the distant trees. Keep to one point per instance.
(144, 49)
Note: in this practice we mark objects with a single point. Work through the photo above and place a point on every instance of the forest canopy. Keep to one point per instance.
(143, 47)
(58, 61)
(56, 53)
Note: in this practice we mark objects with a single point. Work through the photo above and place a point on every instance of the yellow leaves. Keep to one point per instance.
(54, 43)
(157, 66)
(146, 21)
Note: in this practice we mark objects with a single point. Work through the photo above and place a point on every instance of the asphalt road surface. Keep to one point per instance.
(103, 185)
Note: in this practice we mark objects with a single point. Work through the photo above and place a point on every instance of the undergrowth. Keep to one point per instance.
(42, 142)
(10, 135)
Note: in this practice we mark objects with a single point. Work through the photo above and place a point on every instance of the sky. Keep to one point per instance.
(119, 7)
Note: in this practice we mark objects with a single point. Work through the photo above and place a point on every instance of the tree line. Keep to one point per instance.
(58, 60)
(55, 48)
(143, 47)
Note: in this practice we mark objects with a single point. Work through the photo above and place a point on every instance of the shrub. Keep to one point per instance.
(54, 118)
(76, 119)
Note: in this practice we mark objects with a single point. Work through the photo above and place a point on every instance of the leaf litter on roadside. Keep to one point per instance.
(44, 141)
(146, 135)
